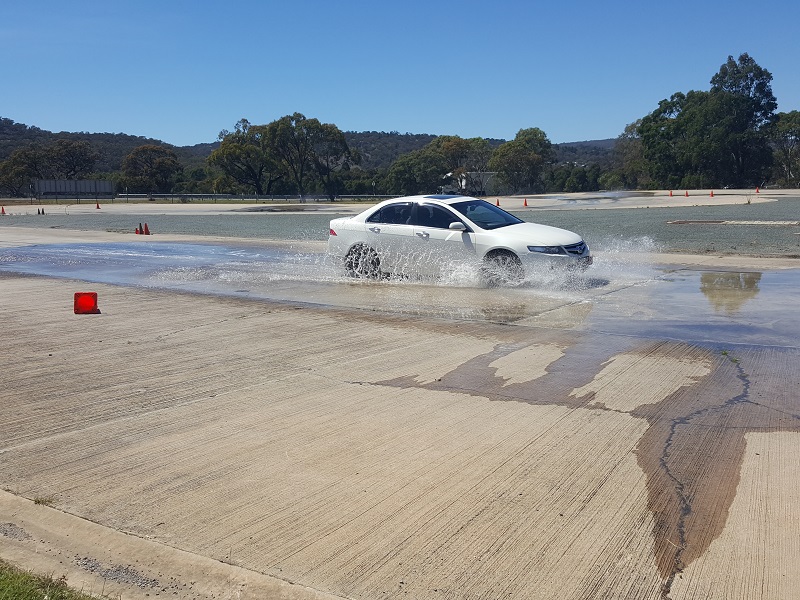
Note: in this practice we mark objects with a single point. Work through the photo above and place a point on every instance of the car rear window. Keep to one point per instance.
(392, 214)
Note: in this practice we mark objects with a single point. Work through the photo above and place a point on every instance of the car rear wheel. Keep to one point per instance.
(502, 268)
(362, 261)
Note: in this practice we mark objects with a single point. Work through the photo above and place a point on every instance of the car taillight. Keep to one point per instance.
(331, 232)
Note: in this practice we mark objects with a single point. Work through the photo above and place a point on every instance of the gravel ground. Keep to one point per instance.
(601, 227)
(648, 228)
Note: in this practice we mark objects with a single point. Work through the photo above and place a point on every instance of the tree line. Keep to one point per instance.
(727, 136)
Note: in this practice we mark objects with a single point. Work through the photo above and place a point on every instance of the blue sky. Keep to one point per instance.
(181, 71)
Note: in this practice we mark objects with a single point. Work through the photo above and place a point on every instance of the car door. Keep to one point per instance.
(436, 247)
(389, 232)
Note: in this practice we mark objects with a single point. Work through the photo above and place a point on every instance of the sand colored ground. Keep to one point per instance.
(365, 457)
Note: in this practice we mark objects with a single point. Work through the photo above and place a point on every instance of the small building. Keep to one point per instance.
(472, 183)
(73, 188)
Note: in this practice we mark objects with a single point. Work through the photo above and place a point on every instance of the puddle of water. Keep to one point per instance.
(706, 307)
(617, 295)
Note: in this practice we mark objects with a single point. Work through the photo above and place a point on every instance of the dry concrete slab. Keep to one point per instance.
(197, 446)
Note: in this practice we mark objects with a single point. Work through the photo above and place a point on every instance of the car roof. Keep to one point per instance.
(443, 198)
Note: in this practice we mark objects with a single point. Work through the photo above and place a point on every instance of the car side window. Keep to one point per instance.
(429, 215)
(392, 214)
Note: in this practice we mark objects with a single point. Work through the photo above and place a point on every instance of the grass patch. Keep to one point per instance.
(16, 584)
(727, 355)
(44, 500)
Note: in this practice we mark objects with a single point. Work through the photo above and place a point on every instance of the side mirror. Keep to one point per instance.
(458, 226)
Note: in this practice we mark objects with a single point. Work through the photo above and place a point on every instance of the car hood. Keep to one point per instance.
(534, 234)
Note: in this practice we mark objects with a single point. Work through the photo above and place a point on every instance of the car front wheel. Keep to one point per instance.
(502, 268)
(362, 261)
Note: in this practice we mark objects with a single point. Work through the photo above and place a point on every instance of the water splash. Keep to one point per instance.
(295, 273)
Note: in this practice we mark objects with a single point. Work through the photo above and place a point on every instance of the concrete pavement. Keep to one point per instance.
(215, 447)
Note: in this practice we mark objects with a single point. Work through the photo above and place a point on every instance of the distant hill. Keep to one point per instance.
(192, 157)
(589, 152)
(113, 147)
(378, 149)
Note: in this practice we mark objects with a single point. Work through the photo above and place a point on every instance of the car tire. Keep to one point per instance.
(502, 268)
(362, 262)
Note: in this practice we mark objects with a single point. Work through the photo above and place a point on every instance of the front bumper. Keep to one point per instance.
(533, 262)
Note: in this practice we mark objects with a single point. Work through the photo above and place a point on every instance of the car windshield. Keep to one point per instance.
(485, 215)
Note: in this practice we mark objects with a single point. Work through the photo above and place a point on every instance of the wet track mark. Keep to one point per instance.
(694, 446)
(695, 478)
(672, 566)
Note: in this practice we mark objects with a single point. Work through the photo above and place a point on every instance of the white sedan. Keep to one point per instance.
(427, 235)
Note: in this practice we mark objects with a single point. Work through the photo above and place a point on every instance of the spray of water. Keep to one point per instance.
(455, 288)
(625, 260)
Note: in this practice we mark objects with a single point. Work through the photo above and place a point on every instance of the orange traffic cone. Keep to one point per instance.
(2, 210)
(146, 230)
(712, 193)
(525, 203)
(98, 205)
(670, 193)
(140, 231)
(757, 192)
(687, 193)
(497, 202)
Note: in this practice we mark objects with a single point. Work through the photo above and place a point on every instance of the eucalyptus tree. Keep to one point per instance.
(466, 161)
(60, 159)
(745, 101)
(72, 159)
(786, 141)
(454, 149)
(751, 84)
(36, 159)
(330, 155)
(246, 156)
(151, 168)
(716, 137)
(521, 162)
(477, 172)
(291, 138)
(15, 174)
(630, 166)
(422, 171)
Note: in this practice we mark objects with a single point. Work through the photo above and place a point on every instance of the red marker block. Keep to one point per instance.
(85, 303)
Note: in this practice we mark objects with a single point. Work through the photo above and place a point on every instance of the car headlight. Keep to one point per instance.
(547, 249)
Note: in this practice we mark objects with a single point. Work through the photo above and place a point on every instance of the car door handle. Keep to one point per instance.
(423, 234)
(375, 229)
